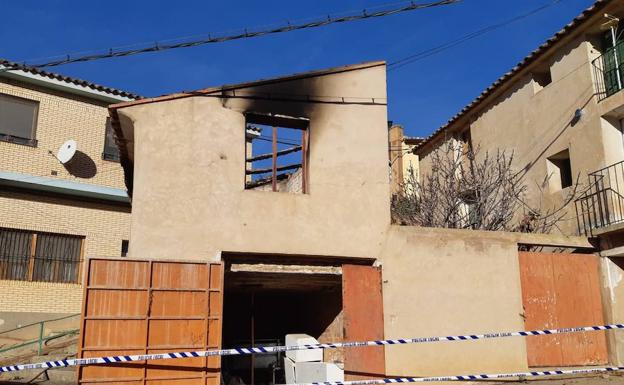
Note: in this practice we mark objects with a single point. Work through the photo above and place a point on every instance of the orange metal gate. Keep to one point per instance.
(363, 320)
(558, 291)
(139, 306)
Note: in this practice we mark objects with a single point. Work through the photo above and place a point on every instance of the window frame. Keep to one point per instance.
(277, 122)
(32, 258)
(32, 141)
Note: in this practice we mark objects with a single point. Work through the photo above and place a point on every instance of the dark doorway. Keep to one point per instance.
(263, 303)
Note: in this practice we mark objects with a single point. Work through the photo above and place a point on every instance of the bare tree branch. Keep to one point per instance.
(466, 191)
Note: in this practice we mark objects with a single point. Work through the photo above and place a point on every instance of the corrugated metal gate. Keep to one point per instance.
(562, 290)
(139, 306)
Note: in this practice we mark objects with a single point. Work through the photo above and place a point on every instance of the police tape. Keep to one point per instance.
(470, 377)
(275, 349)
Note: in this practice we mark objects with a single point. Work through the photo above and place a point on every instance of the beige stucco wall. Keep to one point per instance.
(612, 274)
(536, 122)
(61, 116)
(440, 282)
(189, 203)
(193, 149)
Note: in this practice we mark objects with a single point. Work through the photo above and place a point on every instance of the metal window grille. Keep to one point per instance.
(30, 256)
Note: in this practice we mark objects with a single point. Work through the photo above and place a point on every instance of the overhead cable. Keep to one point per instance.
(450, 44)
(245, 34)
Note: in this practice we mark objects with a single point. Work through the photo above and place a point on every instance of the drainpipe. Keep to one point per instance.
(615, 58)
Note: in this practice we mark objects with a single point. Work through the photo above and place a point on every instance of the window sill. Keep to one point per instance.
(111, 157)
(17, 140)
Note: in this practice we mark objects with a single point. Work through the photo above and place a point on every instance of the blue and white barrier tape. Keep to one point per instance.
(470, 377)
(274, 349)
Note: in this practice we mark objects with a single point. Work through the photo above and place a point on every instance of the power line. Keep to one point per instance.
(450, 44)
(160, 46)
(279, 140)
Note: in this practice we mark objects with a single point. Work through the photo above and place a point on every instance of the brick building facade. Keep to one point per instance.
(52, 215)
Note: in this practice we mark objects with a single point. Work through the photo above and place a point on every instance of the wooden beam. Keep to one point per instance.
(280, 168)
(263, 181)
(279, 153)
(278, 120)
(304, 161)
(31, 260)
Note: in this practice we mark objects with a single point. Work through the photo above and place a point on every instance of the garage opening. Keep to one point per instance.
(264, 302)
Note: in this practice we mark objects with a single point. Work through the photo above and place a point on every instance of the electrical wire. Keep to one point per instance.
(450, 44)
(159, 46)
(279, 140)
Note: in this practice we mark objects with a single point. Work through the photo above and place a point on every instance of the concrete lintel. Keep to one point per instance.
(287, 269)
(614, 252)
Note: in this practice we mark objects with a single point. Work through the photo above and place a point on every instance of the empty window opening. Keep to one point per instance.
(542, 78)
(276, 153)
(263, 303)
(124, 247)
(18, 120)
(468, 215)
(111, 151)
(560, 170)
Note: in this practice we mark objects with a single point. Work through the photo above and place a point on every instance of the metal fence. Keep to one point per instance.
(37, 336)
(603, 204)
(609, 71)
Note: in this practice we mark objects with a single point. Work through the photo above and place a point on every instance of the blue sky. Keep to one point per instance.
(422, 95)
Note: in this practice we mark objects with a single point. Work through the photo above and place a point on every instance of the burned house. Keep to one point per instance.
(225, 254)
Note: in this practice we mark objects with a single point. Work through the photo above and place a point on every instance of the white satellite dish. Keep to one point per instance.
(67, 151)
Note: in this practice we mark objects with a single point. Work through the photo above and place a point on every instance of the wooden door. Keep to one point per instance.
(363, 320)
(559, 291)
(139, 307)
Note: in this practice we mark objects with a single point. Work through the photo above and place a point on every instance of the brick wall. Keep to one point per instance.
(61, 117)
(40, 297)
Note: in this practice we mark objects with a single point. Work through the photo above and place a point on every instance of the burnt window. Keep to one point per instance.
(276, 153)
(18, 120)
(111, 151)
(560, 170)
(35, 256)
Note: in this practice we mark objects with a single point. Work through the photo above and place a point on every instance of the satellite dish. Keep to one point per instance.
(67, 151)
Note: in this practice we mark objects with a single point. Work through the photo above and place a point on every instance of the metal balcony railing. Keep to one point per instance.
(602, 204)
(609, 71)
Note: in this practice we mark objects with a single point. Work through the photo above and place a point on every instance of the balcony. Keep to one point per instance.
(602, 206)
(609, 71)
